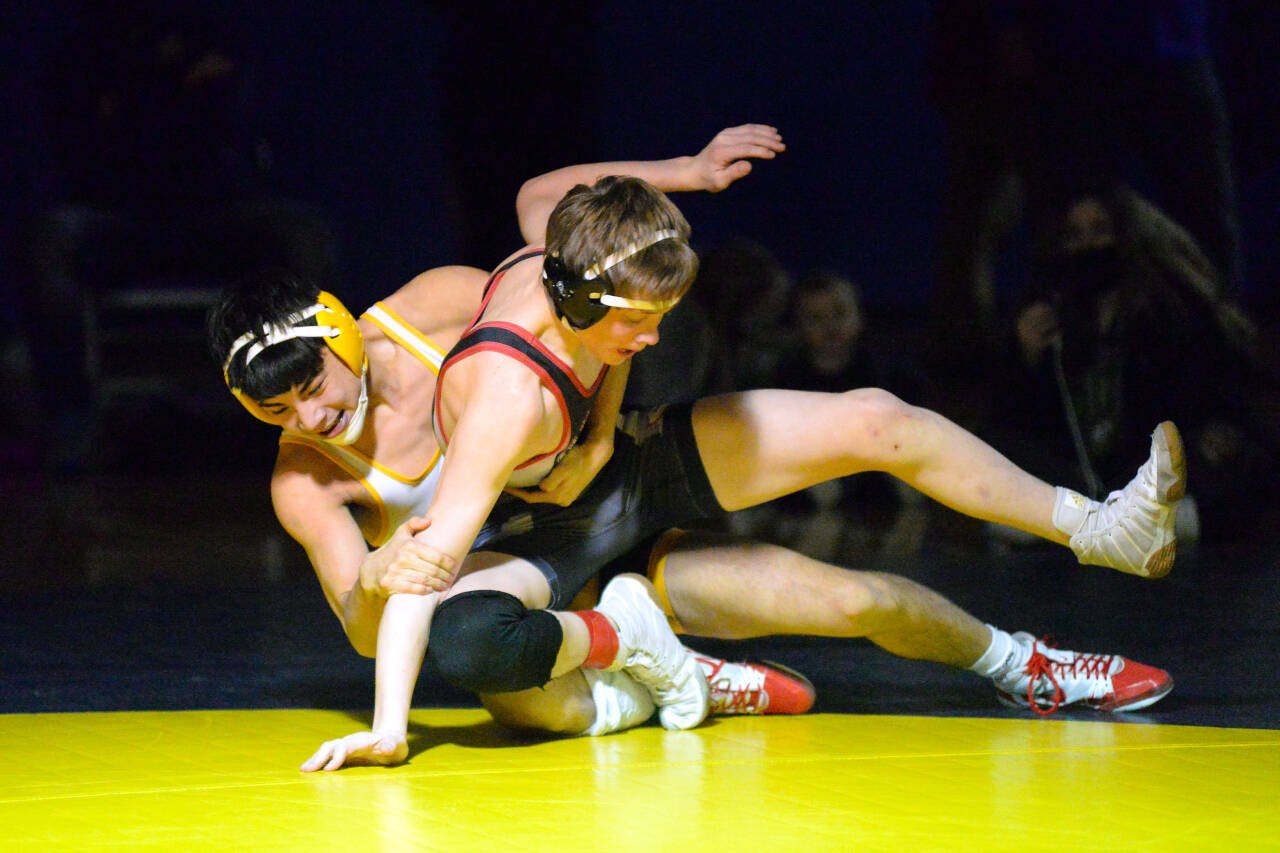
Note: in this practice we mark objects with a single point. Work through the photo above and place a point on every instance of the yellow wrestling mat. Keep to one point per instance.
(228, 780)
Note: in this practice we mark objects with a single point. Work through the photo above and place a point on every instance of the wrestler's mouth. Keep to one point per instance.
(336, 429)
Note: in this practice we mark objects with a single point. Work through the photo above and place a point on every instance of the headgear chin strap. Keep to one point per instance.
(356, 424)
(341, 333)
(584, 300)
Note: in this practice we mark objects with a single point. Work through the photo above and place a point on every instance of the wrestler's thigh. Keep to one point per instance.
(723, 587)
(504, 573)
(759, 445)
(563, 705)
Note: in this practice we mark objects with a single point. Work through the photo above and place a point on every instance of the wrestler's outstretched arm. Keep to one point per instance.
(501, 423)
(726, 158)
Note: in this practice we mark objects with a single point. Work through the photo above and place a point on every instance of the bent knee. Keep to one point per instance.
(876, 408)
(867, 603)
(884, 426)
(488, 642)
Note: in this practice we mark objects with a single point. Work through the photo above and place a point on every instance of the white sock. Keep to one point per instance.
(621, 701)
(1070, 509)
(1002, 657)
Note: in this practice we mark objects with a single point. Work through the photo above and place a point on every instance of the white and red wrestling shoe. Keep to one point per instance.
(755, 688)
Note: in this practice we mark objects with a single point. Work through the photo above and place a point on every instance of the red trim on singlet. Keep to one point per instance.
(547, 382)
(545, 378)
(528, 338)
(490, 288)
(492, 284)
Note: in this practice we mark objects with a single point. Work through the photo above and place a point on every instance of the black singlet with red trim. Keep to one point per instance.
(575, 399)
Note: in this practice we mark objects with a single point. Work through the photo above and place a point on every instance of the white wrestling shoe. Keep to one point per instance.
(1055, 677)
(1133, 529)
(650, 652)
(755, 688)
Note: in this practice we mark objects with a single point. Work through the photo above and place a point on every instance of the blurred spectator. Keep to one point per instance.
(1043, 98)
(159, 180)
(745, 292)
(1127, 325)
(855, 519)
(1129, 93)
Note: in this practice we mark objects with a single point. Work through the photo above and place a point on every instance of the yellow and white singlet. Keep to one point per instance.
(396, 496)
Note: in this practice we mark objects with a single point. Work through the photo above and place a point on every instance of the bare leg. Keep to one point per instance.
(735, 590)
(562, 706)
(758, 445)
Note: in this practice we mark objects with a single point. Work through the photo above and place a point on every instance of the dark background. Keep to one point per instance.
(165, 582)
(364, 106)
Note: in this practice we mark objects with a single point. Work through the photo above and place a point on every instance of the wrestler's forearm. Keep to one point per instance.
(402, 641)
(362, 604)
(539, 195)
(676, 174)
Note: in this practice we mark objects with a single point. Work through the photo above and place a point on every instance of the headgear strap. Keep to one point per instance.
(600, 267)
(341, 333)
(270, 335)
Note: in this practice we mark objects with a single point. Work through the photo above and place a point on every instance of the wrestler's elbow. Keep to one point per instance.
(365, 645)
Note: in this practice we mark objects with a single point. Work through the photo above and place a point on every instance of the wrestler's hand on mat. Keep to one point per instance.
(361, 749)
(724, 161)
(414, 567)
(573, 473)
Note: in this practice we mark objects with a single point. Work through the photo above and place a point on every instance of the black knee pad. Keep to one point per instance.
(489, 642)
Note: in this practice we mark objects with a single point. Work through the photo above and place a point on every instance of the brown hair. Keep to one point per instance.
(591, 223)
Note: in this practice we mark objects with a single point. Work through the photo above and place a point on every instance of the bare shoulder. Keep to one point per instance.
(492, 388)
(306, 484)
(439, 298)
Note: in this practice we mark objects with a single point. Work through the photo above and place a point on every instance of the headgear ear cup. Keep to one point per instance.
(347, 343)
(584, 300)
(571, 295)
(333, 322)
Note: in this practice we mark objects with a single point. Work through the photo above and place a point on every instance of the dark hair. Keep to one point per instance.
(259, 302)
(591, 223)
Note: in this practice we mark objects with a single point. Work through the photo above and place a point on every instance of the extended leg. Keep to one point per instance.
(720, 588)
(758, 445)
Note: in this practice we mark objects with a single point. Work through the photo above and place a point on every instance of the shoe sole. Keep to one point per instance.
(1171, 487)
(1142, 702)
(1174, 480)
(1138, 704)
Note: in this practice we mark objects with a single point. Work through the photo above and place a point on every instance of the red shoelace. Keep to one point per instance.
(1040, 666)
(727, 699)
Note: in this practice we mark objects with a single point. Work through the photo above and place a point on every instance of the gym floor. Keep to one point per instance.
(168, 662)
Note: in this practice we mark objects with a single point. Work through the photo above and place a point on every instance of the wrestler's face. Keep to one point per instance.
(621, 334)
(322, 407)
